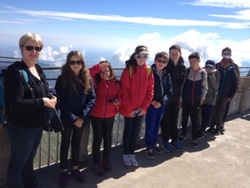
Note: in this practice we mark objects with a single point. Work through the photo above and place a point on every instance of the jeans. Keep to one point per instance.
(169, 122)
(153, 118)
(193, 111)
(102, 130)
(24, 144)
(73, 137)
(131, 133)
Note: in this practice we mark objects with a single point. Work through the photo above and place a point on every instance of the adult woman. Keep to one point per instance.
(76, 95)
(26, 111)
(107, 89)
(137, 90)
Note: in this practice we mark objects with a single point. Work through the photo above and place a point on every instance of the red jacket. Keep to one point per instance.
(137, 90)
(105, 90)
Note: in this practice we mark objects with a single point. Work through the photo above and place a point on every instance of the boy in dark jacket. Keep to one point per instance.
(169, 121)
(227, 90)
(162, 93)
(193, 96)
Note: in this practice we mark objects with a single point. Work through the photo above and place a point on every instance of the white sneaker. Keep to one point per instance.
(133, 161)
(126, 160)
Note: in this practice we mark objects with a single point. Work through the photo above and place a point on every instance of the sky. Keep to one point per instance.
(111, 29)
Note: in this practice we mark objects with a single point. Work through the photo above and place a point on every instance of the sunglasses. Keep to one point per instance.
(161, 61)
(78, 62)
(144, 56)
(31, 48)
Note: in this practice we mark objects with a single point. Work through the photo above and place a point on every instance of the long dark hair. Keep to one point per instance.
(112, 76)
(131, 62)
(70, 79)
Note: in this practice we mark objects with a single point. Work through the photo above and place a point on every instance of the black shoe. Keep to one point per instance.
(149, 153)
(195, 143)
(97, 168)
(181, 138)
(221, 132)
(106, 165)
(157, 148)
(200, 135)
(216, 132)
(210, 130)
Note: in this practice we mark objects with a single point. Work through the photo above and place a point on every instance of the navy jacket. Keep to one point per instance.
(162, 86)
(74, 104)
(228, 82)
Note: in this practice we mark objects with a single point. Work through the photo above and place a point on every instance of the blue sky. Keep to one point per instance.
(116, 27)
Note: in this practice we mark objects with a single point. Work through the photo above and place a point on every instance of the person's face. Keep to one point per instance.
(31, 52)
(105, 74)
(141, 59)
(174, 55)
(194, 63)
(209, 69)
(75, 64)
(160, 63)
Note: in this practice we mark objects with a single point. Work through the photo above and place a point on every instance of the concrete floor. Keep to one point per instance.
(219, 162)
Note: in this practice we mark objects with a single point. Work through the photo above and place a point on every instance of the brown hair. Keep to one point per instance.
(112, 76)
(69, 77)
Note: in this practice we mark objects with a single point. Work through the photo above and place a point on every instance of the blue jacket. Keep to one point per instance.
(228, 82)
(74, 104)
(162, 86)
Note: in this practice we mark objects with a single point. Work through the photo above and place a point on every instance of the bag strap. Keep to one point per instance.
(26, 79)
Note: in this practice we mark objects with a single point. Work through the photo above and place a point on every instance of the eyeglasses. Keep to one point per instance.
(144, 56)
(31, 48)
(78, 62)
(161, 61)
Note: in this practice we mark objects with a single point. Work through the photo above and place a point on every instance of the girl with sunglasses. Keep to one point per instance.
(137, 90)
(77, 97)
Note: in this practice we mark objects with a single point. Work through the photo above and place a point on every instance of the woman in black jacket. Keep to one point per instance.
(76, 100)
(25, 105)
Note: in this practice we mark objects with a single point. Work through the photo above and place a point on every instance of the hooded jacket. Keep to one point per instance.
(137, 90)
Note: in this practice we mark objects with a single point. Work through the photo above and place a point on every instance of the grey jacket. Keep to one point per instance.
(213, 81)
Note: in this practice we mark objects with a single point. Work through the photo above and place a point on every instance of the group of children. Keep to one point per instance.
(158, 91)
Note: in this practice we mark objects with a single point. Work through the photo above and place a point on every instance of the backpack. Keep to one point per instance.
(3, 110)
(130, 70)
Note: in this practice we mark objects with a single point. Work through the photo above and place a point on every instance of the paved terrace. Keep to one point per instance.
(219, 161)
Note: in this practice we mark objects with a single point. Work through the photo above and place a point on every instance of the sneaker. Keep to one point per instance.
(78, 175)
(210, 130)
(63, 179)
(195, 143)
(221, 132)
(106, 165)
(181, 138)
(149, 153)
(216, 132)
(133, 161)
(97, 168)
(157, 148)
(126, 160)
(200, 135)
(176, 145)
(167, 147)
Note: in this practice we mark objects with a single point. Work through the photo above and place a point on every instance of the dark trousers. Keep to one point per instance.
(73, 137)
(130, 133)
(226, 112)
(193, 112)
(169, 122)
(102, 130)
(219, 112)
(153, 118)
(206, 112)
(24, 144)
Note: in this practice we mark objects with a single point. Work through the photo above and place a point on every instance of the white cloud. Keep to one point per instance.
(223, 3)
(70, 16)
